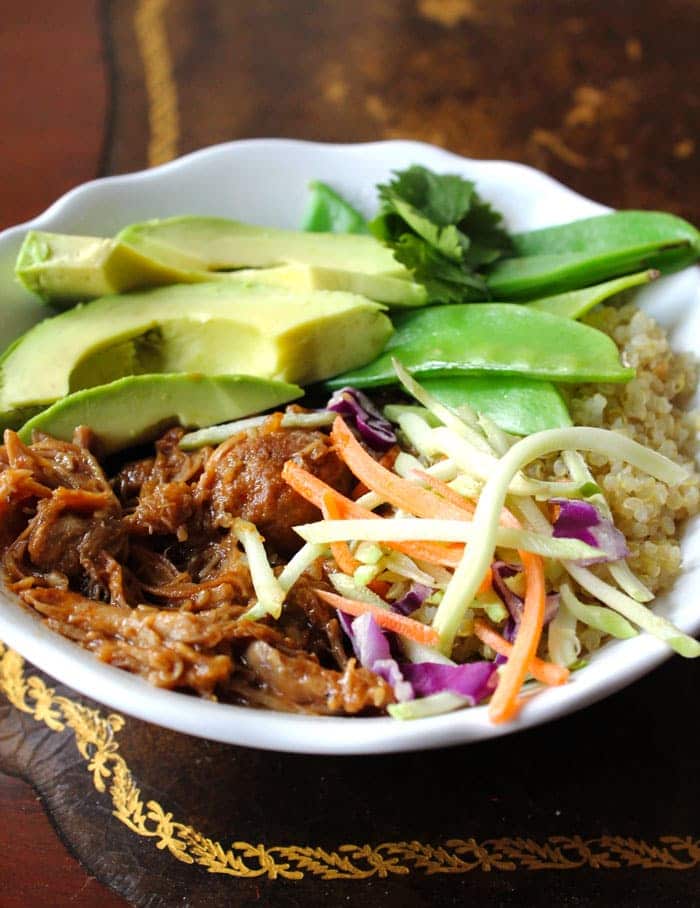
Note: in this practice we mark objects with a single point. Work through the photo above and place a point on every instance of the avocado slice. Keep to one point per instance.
(138, 408)
(63, 269)
(222, 245)
(215, 329)
(392, 291)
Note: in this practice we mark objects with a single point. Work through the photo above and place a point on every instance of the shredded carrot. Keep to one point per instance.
(392, 488)
(424, 503)
(359, 490)
(340, 550)
(447, 554)
(449, 494)
(486, 584)
(380, 587)
(392, 621)
(521, 658)
(313, 489)
(388, 459)
(546, 672)
(504, 703)
(463, 504)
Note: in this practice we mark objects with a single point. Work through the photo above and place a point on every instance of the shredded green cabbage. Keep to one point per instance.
(268, 589)
(466, 425)
(432, 705)
(416, 529)
(621, 572)
(562, 642)
(596, 616)
(635, 612)
(301, 562)
(214, 435)
(478, 555)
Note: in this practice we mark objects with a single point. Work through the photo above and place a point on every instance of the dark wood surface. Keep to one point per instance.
(57, 878)
(602, 95)
(54, 118)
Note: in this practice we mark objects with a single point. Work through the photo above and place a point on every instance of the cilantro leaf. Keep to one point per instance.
(441, 230)
(442, 199)
(483, 224)
(446, 281)
(445, 239)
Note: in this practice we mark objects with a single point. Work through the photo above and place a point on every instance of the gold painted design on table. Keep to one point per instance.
(96, 739)
(161, 88)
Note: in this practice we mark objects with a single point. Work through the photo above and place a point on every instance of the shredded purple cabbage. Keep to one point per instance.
(372, 650)
(582, 520)
(413, 599)
(473, 680)
(368, 421)
(368, 641)
(501, 570)
(508, 632)
(390, 670)
(345, 622)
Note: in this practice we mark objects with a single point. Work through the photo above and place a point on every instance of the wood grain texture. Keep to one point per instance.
(601, 95)
(53, 103)
(53, 110)
(57, 879)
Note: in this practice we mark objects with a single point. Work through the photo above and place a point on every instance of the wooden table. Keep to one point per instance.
(602, 99)
(55, 118)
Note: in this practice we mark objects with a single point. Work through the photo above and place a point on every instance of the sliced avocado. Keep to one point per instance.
(337, 261)
(138, 408)
(62, 269)
(223, 245)
(215, 329)
(65, 269)
(392, 291)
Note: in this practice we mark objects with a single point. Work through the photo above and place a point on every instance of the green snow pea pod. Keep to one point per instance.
(576, 303)
(557, 259)
(517, 404)
(327, 212)
(486, 338)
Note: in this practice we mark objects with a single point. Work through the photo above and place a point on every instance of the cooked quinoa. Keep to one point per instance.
(651, 409)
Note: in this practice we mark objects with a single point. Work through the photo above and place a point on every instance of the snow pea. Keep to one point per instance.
(327, 212)
(576, 303)
(483, 338)
(517, 404)
(570, 256)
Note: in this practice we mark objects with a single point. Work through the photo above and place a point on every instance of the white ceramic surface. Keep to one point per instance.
(264, 181)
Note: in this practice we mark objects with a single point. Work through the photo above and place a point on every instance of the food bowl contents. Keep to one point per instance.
(495, 487)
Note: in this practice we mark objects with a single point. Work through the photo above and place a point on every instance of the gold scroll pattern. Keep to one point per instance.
(96, 740)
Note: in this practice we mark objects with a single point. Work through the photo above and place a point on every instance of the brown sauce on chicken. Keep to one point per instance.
(144, 570)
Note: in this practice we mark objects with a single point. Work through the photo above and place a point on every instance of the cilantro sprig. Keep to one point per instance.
(442, 231)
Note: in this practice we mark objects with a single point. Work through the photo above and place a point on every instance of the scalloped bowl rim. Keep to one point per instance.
(288, 164)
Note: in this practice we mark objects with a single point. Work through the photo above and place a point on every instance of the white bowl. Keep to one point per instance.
(264, 181)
